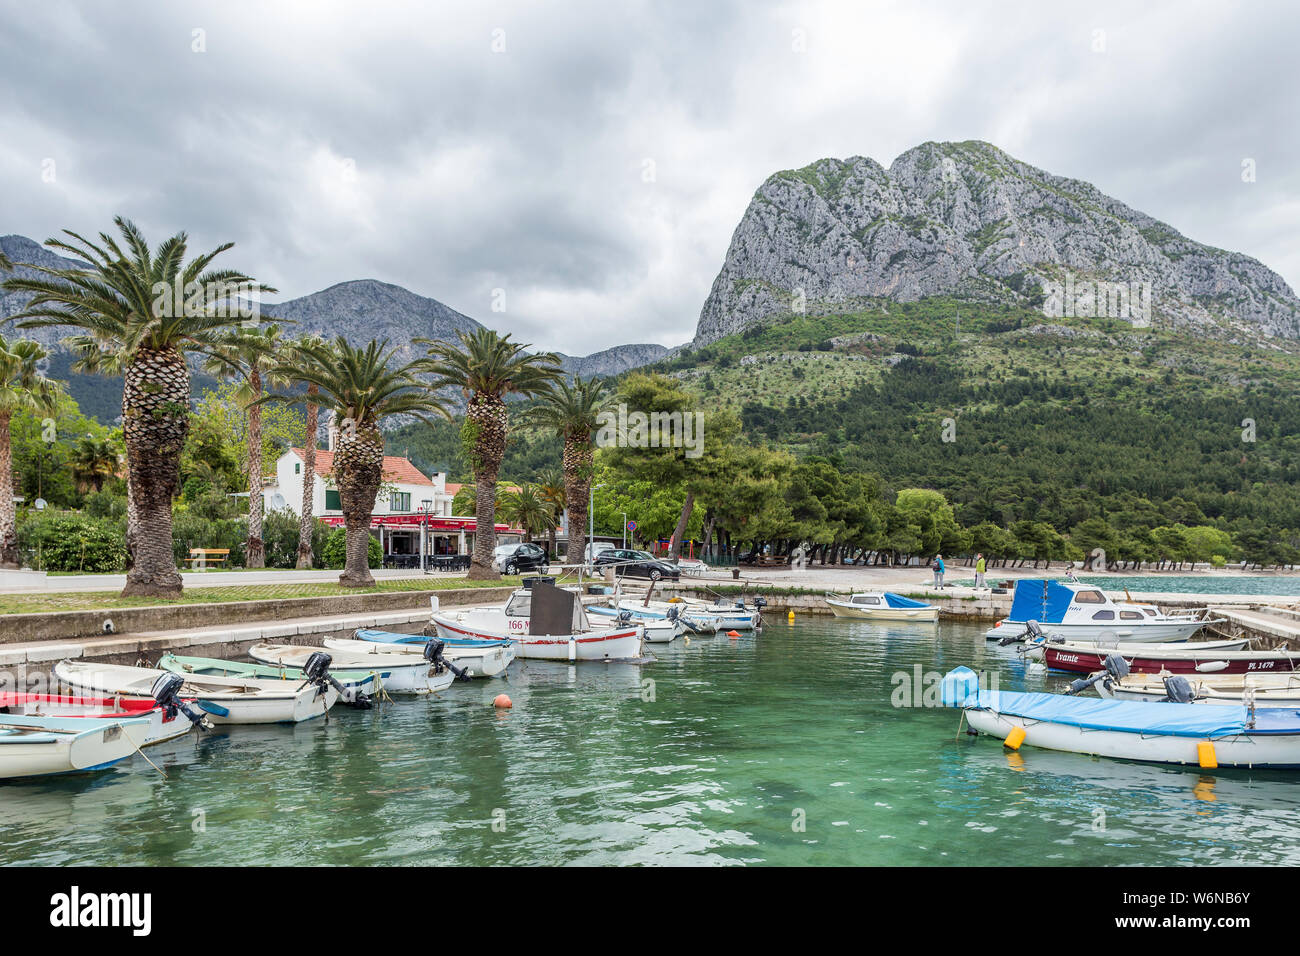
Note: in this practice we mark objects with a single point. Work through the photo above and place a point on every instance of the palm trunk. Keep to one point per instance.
(487, 417)
(255, 550)
(9, 557)
(358, 468)
(155, 421)
(680, 531)
(577, 490)
(306, 520)
(132, 523)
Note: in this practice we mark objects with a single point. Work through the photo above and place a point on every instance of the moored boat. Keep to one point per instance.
(358, 685)
(164, 722)
(226, 700)
(882, 606)
(1191, 659)
(1263, 689)
(37, 746)
(478, 658)
(1173, 733)
(1080, 612)
(406, 673)
(544, 623)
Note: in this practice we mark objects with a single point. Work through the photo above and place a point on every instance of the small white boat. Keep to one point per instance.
(226, 700)
(1081, 613)
(482, 660)
(1174, 733)
(404, 673)
(166, 721)
(882, 606)
(657, 627)
(1233, 690)
(32, 746)
(544, 623)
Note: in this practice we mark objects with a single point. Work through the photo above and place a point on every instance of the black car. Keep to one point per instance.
(525, 557)
(637, 564)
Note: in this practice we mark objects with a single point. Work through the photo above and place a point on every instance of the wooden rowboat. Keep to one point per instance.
(164, 723)
(407, 674)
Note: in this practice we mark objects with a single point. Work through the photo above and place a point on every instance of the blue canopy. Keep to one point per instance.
(1129, 716)
(390, 637)
(1041, 600)
(897, 600)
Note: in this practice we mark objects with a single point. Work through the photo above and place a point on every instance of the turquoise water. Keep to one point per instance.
(718, 761)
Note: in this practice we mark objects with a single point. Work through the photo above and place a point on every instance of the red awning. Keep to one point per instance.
(439, 523)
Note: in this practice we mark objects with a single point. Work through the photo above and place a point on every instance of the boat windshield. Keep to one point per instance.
(519, 605)
(865, 599)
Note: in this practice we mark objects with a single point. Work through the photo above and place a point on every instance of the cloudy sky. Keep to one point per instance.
(593, 159)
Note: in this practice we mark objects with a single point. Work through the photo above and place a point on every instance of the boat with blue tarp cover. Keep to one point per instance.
(1164, 732)
(1085, 613)
(882, 606)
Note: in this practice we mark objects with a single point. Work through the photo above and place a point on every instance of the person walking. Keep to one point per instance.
(979, 570)
(938, 570)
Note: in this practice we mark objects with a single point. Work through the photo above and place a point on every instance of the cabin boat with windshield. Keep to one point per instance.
(1084, 613)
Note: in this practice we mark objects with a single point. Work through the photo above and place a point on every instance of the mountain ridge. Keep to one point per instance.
(968, 220)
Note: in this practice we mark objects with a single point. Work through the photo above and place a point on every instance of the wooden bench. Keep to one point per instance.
(207, 557)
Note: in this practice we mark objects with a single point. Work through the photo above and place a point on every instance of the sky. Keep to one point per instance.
(572, 173)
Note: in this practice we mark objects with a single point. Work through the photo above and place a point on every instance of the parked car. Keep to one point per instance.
(637, 564)
(521, 558)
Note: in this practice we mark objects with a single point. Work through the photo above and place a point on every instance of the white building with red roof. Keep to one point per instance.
(408, 501)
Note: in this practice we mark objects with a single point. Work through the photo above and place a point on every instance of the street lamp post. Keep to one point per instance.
(624, 514)
(591, 517)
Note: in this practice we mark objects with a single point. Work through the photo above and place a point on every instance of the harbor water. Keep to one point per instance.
(801, 745)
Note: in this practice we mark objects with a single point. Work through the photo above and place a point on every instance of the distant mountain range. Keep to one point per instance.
(360, 310)
(966, 220)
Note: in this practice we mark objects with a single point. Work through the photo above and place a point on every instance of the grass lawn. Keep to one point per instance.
(95, 600)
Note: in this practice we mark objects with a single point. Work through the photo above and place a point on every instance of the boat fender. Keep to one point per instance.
(1015, 738)
(1211, 667)
(1178, 689)
(166, 691)
(1206, 756)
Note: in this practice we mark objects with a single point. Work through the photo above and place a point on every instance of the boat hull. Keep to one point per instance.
(612, 645)
(1081, 660)
(27, 750)
(842, 609)
(398, 676)
(1247, 750)
(225, 701)
(486, 660)
(1160, 632)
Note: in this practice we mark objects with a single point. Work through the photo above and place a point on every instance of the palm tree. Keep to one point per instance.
(528, 509)
(146, 308)
(487, 368)
(360, 387)
(94, 461)
(247, 355)
(306, 519)
(550, 485)
(22, 389)
(572, 411)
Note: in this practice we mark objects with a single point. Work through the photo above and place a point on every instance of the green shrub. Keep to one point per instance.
(280, 538)
(69, 541)
(1218, 560)
(193, 529)
(334, 553)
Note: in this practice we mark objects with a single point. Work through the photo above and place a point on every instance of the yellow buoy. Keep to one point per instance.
(790, 617)
(1205, 754)
(1015, 738)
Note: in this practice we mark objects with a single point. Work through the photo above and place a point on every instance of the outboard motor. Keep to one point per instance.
(166, 691)
(316, 671)
(1116, 668)
(1178, 689)
(433, 654)
(624, 617)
